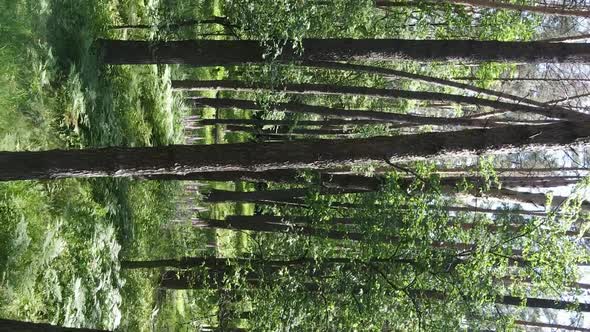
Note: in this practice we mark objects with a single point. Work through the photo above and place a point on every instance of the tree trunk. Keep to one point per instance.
(272, 175)
(529, 302)
(183, 159)
(219, 196)
(567, 38)
(238, 223)
(553, 327)
(176, 25)
(569, 98)
(546, 10)
(525, 79)
(384, 117)
(346, 183)
(284, 131)
(537, 199)
(330, 89)
(224, 53)
(254, 122)
(532, 171)
(420, 77)
(216, 263)
(351, 182)
(7, 325)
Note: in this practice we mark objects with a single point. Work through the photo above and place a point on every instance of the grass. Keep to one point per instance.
(62, 241)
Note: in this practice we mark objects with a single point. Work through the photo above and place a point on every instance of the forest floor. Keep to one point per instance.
(61, 242)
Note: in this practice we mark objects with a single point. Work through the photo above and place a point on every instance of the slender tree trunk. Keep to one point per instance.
(274, 175)
(546, 10)
(537, 199)
(543, 303)
(285, 176)
(559, 100)
(219, 329)
(237, 223)
(529, 302)
(216, 263)
(288, 131)
(219, 196)
(344, 184)
(330, 89)
(567, 38)
(475, 209)
(224, 53)
(7, 325)
(386, 117)
(184, 159)
(533, 171)
(176, 25)
(420, 77)
(515, 228)
(517, 79)
(253, 122)
(552, 326)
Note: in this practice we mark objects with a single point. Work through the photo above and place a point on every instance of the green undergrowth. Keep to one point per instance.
(62, 241)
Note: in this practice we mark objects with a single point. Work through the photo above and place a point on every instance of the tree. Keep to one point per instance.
(382, 117)
(7, 325)
(329, 89)
(552, 326)
(546, 10)
(424, 78)
(183, 159)
(223, 21)
(529, 302)
(225, 53)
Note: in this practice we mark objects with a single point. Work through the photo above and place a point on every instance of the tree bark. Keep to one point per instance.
(529, 302)
(237, 223)
(330, 89)
(176, 25)
(567, 38)
(274, 175)
(345, 183)
(7, 325)
(420, 77)
(285, 131)
(542, 303)
(183, 159)
(224, 53)
(384, 117)
(217, 263)
(269, 196)
(553, 327)
(546, 10)
(254, 122)
(524, 79)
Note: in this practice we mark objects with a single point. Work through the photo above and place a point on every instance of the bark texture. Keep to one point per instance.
(420, 77)
(223, 52)
(330, 89)
(547, 10)
(318, 154)
(529, 302)
(385, 117)
(242, 223)
(553, 327)
(7, 325)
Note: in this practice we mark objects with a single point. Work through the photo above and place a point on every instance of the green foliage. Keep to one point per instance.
(416, 267)
(62, 240)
